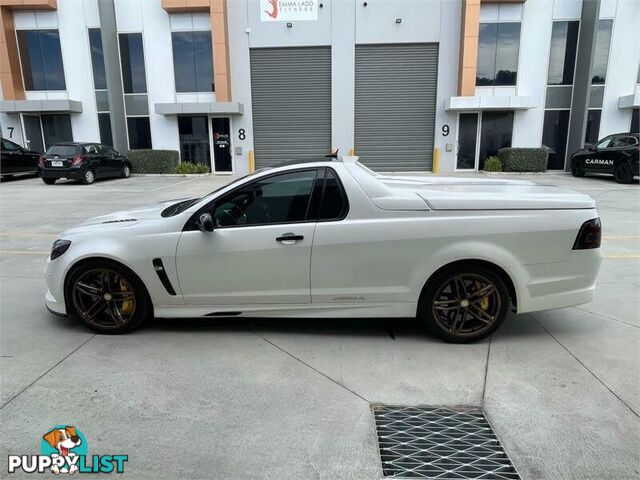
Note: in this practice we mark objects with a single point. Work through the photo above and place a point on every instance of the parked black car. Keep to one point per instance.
(16, 159)
(82, 161)
(616, 155)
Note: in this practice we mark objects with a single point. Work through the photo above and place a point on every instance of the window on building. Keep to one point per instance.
(593, 126)
(498, 50)
(194, 139)
(104, 123)
(192, 61)
(601, 53)
(139, 132)
(56, 128)
(97, 59)
(41, 59)
(635, 120)
(554, 137)
(562, 58)
(496, 132)
(132, 62)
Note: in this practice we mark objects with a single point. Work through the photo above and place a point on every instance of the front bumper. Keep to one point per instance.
(54, 276)
(54, 306)
(72, 173)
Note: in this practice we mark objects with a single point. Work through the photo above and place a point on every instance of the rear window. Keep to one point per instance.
(64, 150)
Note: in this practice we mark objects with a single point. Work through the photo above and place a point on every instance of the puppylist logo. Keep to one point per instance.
(63, 449)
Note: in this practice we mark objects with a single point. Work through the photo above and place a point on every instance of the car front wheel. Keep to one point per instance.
(108, 297)
(464, 304)
(125, 172)
(623, 173)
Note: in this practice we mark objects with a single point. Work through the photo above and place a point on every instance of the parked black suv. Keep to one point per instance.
(82, 161)
(16, 159)
(616, 155)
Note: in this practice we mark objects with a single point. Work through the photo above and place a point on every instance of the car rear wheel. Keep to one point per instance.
(577, 170)
(108, 298)
(623, 173)
(89, 177)
(125, 172)
(464, 304)
(49, 181)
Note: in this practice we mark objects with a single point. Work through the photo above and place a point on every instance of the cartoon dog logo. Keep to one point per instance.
(63, 440)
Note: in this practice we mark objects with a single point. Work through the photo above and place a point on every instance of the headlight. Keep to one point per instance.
(59, 247)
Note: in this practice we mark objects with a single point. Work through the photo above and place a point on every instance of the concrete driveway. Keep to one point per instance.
(290, 399)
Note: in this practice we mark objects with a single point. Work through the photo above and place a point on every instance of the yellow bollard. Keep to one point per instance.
(252, 163)
(436, 160)
(352, 152)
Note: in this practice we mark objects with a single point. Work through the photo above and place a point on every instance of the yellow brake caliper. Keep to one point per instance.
(484, 303)
(127, 305)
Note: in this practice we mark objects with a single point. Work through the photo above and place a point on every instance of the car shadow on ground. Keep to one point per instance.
(14, 178)
(514, 326)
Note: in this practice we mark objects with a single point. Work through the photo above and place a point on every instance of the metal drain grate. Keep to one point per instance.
(440, 443)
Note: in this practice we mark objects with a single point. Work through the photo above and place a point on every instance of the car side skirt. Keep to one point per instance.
(316, 310)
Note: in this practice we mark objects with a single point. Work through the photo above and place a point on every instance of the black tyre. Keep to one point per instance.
(49, 181)
(623, 173)
(126, 171)
(576, 169)
(88, 177)
(464, 304)
(108, 297)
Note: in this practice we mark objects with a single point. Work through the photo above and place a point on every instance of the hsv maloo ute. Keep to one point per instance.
(334, 239)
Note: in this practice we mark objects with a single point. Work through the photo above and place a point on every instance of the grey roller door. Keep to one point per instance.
(291, 98)
(395, 105)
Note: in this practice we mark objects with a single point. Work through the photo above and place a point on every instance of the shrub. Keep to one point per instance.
(524, 159)
(188, 167)
(153, 161)
(492, 164)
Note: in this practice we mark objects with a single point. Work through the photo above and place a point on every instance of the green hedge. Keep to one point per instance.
(492, 164)
(188, 167)
(153, 161)
(524, 159)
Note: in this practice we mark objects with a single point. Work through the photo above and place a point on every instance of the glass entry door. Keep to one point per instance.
(221, 145)
(33, 132)
(467, 141)
(482, 135)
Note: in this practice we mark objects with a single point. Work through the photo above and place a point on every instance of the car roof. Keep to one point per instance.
(77, 144)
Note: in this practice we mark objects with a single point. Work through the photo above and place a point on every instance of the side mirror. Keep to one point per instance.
(590, 146)
(205, 222)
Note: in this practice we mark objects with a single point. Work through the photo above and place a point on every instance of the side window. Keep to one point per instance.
(107, 150)
(334, 203)
(281, 198)
(90, 149)
(631, 141)
(618, 142)
(605, 143)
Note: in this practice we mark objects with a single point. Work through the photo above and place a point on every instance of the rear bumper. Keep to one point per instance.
(73, 173)
(563, 284)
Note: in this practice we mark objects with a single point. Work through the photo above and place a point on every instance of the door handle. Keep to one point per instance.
(289, 238)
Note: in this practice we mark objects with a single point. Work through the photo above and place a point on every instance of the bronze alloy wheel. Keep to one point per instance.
(104, 299)
(467, 304)
(463, 304)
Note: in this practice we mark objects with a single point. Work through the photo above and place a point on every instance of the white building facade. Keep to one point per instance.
(243, 84)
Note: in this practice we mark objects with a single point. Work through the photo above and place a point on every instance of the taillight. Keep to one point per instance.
(41, 162)
(589, 236)
(77, 160)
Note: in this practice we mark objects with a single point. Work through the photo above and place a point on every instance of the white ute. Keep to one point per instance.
(334, 239)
